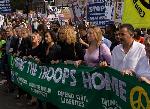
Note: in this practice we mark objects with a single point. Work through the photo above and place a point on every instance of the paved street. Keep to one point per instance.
(8, 101)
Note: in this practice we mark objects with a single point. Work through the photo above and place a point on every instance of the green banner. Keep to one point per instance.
(84, 87)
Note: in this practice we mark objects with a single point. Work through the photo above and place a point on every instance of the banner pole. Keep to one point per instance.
(115, 10)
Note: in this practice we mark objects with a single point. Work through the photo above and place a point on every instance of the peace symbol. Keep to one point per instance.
(145, 4)
(137, 104)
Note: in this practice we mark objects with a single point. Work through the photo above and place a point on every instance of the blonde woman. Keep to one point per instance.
(142, 69)
(97, 53)
(70, 48)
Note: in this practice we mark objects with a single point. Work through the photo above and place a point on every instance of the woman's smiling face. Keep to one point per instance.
(48, 38)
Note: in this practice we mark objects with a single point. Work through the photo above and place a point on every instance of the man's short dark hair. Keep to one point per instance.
(81, 26)
(42, 27)
(128, 26)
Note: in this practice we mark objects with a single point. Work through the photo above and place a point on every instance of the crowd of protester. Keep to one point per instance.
(124, 48)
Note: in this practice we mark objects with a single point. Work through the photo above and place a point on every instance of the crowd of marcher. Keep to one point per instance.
(124, 48)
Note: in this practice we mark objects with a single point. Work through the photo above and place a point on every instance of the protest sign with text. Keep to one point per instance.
(84, 87)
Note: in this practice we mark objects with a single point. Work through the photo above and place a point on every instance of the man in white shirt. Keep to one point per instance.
(126, 55)
(142, 69)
